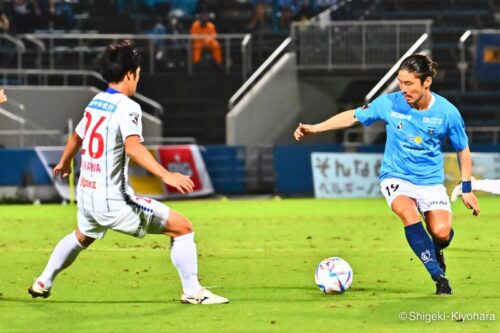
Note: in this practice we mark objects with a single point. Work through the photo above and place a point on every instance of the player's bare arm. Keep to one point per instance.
(3, 98)
(465, 164)
(141, 155)
(63, 168)
(342, 120)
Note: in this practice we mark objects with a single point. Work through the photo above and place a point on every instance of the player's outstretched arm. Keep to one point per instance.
(63, 168)
(3, 98)
(465, 164)
(342, 120)
(141, 155)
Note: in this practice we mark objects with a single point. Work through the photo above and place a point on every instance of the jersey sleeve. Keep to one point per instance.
(456, 131)
(368, 114)
(131, 122)
(80, 128)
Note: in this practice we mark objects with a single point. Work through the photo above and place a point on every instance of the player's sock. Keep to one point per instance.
(487, 185)
(185, 259)
(423, 247)
(64, 254)
(444, 245)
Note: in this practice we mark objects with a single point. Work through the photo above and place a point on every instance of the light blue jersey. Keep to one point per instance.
(414, 137)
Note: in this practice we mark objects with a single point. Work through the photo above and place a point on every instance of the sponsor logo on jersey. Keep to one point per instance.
(400, 125)
(101, 105)
(86, 183)
(399, 115)
(431, 131)
(135, 117)
(432, 120)
(91, 166)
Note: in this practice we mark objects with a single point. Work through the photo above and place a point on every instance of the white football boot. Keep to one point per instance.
(38, 290)
(204, 297)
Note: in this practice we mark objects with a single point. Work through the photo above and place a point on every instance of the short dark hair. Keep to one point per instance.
(421, 65)
(117, 60)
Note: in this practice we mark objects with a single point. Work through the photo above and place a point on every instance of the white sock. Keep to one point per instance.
(63, 255)
(185, 259)
(487, 185)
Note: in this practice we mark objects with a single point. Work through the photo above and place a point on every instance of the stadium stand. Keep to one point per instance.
(195, 106)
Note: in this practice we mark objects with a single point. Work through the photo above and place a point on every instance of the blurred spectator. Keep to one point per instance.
(4, 20)
(159, 43)
(175, 50)
(287, 11)
(203, 26)
(262, 10)
(64, 15)
(126, 6)
(24, 15)
(183, 9)
(56, 14)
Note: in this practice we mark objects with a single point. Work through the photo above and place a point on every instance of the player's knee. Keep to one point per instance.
(178, 225)
(84, 240)
(186, 228)
(441, 234)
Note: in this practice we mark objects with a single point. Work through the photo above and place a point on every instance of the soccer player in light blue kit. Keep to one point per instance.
(412, 176)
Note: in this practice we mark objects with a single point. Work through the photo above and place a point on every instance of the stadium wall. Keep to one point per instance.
(50, 108)
(270, 111)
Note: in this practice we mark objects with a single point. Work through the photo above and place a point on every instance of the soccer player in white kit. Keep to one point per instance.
(491, 186)
(109, 134)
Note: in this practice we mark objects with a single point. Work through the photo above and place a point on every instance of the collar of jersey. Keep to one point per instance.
(112, 91)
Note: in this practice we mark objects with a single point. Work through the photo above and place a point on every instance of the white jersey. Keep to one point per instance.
(108, 120)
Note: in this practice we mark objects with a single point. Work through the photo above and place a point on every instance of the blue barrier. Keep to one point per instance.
(292, 167)
(226, 167)
(21, 166)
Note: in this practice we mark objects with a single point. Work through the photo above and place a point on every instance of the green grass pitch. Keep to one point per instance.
(261, 254)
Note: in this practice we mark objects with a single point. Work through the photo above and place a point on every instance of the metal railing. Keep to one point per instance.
(85, 77)
(355, 44)
(259, 72)
(463, 65)
(380, 84)
(27, 128)
(19, 47)
(90, 44)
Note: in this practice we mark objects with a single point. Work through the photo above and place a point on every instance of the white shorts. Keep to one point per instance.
(139, 217)
(430, 197)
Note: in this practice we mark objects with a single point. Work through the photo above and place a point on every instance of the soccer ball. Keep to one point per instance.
(333, 275)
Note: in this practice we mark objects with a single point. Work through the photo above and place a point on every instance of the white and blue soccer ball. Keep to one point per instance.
(333, 275)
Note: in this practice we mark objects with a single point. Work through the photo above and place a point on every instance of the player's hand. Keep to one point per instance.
(182, 183)
(304, 130)
(3, 98)
(470, 201)
(61, 169)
